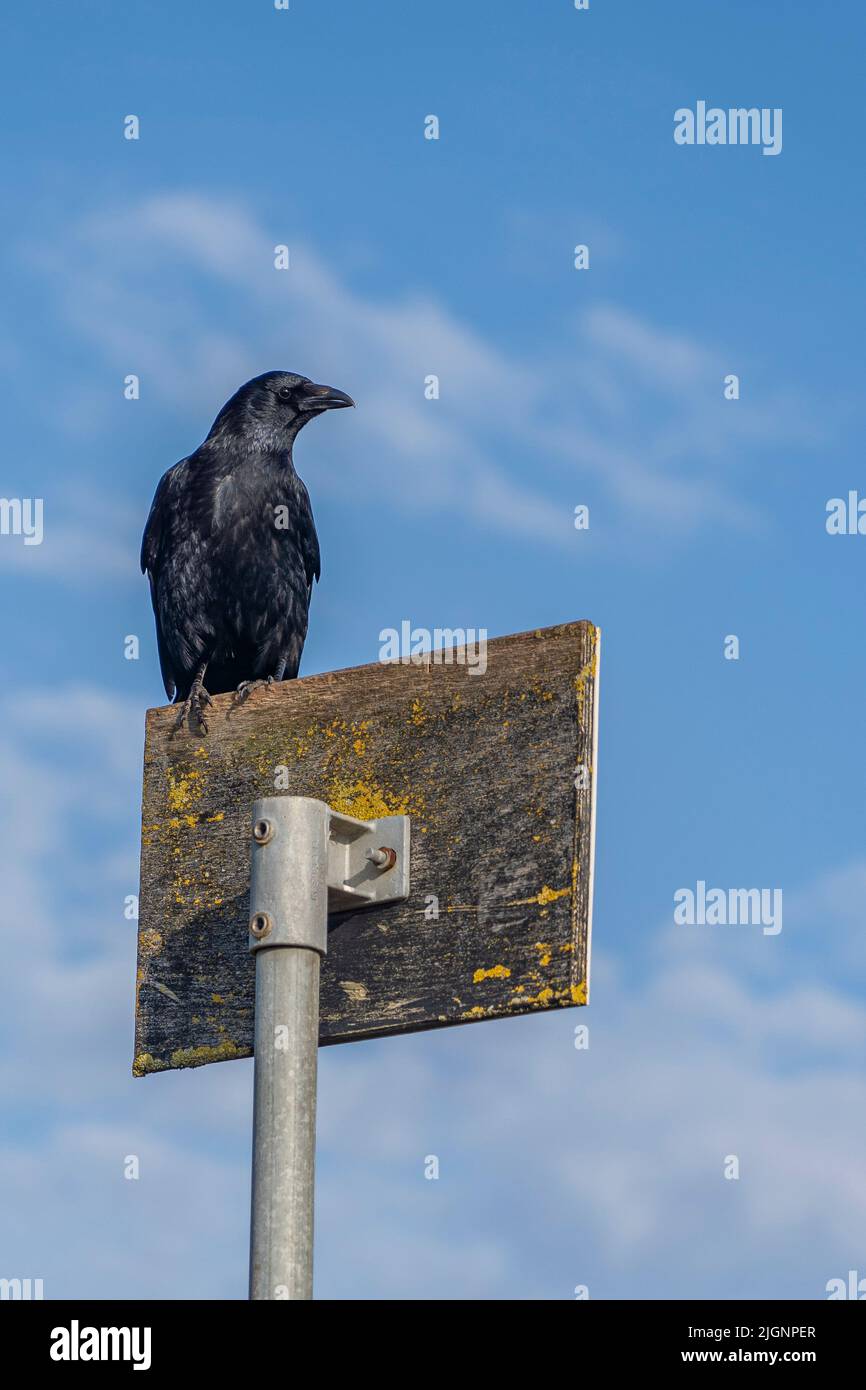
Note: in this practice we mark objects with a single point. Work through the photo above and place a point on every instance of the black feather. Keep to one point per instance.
(230, 546)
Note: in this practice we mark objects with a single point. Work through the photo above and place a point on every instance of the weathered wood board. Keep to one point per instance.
(497, 771)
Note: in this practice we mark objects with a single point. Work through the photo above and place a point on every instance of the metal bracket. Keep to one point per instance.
(309, 860)
(368, 861)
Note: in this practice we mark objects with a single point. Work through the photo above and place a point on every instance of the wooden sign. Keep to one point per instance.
(496, 770)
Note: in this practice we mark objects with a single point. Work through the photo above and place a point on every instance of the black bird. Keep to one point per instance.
(231, 550)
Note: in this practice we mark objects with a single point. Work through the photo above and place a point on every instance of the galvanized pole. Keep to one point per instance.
(288, 934)
(306, 859)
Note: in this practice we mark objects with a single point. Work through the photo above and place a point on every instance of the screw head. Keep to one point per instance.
(263, 831)
(260, 925)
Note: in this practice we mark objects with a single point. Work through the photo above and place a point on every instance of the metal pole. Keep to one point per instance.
(288, 933)
(306, 858)
(284, 1123)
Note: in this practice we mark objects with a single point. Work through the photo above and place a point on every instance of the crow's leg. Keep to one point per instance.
(195, 703)
(246, 687)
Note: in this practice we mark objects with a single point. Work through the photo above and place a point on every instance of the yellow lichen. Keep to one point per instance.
(496, 972)
(549, 895)
(182, 791)
(145, 1062)
(198, 1056)
(365, 800)
(543, 997)
(586, 674)
(542, 897)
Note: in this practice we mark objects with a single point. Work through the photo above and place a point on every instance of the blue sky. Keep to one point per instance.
(604, 387)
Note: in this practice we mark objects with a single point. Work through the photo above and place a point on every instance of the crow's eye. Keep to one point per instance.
(285, 393)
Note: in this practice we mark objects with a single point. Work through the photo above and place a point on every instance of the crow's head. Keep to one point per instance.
(267, 412)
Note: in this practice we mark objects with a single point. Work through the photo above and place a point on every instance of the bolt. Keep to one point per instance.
(260, 925)
(383, 858)
(262, 832)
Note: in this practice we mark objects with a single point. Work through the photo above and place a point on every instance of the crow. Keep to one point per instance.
(230, 547)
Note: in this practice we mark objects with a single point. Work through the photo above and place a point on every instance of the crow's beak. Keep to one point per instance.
(324, 398)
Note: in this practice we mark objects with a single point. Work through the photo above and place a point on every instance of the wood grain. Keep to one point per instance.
(498, 921)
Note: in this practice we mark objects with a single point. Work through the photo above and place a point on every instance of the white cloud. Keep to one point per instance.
(605, 1164)
(87, 537)
(673, 360)
(557, 1166)
(180, 288)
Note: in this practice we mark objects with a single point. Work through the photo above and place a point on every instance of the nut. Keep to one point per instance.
(262, 832)
(383, 858)
(260, 925)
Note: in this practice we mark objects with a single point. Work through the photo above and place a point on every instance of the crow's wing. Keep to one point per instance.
(307, 539)
(151, 555)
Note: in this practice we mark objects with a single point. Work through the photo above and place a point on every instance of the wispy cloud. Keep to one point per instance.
(87, 537)
(596, 1160)
(180, 288)
(557, 1166)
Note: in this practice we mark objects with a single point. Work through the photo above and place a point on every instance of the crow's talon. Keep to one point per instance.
(246, 688)
(195, 704)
